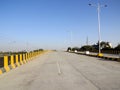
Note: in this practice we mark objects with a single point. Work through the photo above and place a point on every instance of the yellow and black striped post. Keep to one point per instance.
(6, 67)
(0, 72)
(24, 61)
(17, 63)
(26, 57)
(21, 62)
(29, 56)
(1, 64)
(12, 61)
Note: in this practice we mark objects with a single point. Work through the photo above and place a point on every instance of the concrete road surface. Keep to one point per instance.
(63, 71)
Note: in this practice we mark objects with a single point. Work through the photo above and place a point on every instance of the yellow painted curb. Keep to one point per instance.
(100, 55)
(7, 69)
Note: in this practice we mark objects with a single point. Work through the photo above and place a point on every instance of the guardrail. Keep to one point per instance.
(10, 62)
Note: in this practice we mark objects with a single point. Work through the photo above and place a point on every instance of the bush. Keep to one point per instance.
(118, 47)
(87, 48)
(69, 49)
(75, 48)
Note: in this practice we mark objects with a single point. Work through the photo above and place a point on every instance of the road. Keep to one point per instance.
(63, 71)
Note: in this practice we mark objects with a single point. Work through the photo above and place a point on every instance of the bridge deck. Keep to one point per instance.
(63, 71)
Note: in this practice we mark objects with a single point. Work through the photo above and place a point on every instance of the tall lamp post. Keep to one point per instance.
(99, 36)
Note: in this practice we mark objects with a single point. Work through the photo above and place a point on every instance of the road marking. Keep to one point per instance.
(59, 69)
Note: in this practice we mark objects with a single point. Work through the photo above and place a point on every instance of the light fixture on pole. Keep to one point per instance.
(99, 36)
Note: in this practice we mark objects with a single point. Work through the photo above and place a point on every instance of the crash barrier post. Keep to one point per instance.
(31, 54)
(24, 58)
(6, 67)
(20, 57)
(17, 62)
(28, 56)
(12, 61)
(34, 54)
(0, 71)
(1, 64)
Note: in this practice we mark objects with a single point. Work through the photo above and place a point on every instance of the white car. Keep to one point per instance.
(87, 52)
(75, 51)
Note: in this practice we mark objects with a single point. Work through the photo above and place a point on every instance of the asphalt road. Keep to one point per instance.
(63, 71)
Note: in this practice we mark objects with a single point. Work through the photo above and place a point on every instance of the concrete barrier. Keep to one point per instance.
(24, 61)
(20, 57)
(0, 71)
(6, 67)
(26, 57)
(10, 62)
(1, 64)
(17, 61)
(104, 57)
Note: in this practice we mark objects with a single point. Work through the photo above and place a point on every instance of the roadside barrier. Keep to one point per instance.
(26, 57)
(17, 61)
(21, 60)
(10, 62)
(2, 65)
(6, 63)
(24, 60)
(104, 57)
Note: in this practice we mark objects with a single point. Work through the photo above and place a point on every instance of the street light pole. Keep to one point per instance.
(98, 8)
(99, 36)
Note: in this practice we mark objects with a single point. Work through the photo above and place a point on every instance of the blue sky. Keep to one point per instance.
(47, 24)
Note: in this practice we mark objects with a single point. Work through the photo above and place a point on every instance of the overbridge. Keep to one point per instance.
(60, 71)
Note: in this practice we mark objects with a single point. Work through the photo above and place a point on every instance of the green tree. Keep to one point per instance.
(117, 47)
(75, 48)
(69, 49)
(104, 45)
(87, 48)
